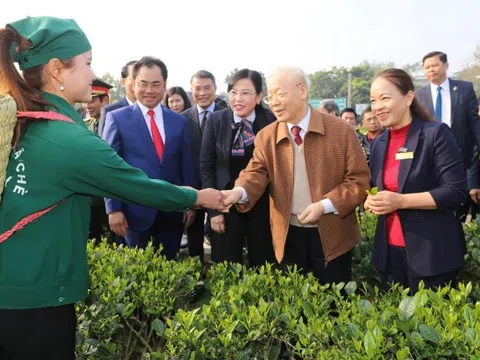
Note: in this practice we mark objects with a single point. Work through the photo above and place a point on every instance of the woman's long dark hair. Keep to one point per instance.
(25, 90)
(404, 83)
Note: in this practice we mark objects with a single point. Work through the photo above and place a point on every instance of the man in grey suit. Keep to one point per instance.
(454, 103)
(129, 99)
(203, 87)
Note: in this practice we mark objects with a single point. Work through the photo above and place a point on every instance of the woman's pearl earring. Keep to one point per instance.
(62, 88)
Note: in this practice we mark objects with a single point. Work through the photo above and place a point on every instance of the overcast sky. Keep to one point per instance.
(219, 35)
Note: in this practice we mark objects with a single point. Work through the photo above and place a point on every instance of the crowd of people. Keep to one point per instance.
(284, 181)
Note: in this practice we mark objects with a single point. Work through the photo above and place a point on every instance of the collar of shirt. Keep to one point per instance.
(446, 101)
(158, 118)
(303, 125)
(445, 89)
(130, 102)
(209, 109)
(63, 107)
(250, 117)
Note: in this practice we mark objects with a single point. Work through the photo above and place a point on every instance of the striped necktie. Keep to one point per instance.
(204, 121)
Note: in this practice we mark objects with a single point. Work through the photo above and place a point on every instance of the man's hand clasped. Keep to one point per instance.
(231, 197)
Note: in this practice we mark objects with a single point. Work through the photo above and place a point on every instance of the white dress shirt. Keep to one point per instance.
(158, 119)
(130, 102)
(327, 203)
(250, 117)
(201, 111)
(446, 101)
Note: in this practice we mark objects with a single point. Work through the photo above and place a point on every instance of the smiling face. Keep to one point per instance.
(287, 97)
(77, 80)
(391, 107)
(149, 86)
(94, 107)
(243, 98)
(203, 91)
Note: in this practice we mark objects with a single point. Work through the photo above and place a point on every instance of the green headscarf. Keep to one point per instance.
(51, 38)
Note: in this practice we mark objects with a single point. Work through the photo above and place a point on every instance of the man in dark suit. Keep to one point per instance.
(203, 88)
(129, 99)
(154, 139)
(454, 103)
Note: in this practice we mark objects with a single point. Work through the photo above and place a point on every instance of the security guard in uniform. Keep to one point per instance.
(100, 98)
(98, 215)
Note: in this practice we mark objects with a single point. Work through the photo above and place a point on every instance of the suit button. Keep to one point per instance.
(60, 299)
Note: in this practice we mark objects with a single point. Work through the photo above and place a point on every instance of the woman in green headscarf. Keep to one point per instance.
(43, 267)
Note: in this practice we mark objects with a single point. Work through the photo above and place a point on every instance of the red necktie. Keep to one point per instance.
(296, 135)
(157, 138)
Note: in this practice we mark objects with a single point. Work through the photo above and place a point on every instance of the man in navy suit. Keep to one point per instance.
(129, 99)
(454, 103)
(203, 88)
(154, 139)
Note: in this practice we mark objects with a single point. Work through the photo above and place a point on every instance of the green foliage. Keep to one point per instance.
(144, 307)
(472, 237)
(132, 293)
(333, 83)
(362, 268)
(471, 72)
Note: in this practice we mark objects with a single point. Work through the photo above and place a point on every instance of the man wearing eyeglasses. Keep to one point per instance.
(317, 174)
(204, 88)
(154, 139)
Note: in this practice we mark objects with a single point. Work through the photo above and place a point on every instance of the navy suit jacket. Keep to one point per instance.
(126, 131)
(196, 135)
(106, 109)
(434, 239)
(465, 122)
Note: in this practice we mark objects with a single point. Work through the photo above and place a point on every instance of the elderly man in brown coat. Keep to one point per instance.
(317, 174)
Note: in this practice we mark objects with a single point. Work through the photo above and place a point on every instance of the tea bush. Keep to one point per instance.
(142, 306)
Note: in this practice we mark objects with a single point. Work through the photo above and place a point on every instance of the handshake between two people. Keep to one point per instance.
(207, 198)
(218, 200)
(223, 201)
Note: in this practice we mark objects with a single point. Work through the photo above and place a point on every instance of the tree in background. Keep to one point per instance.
(471, 72)
(333, 83)
(415, 69)
(117, 91)
(230, 74)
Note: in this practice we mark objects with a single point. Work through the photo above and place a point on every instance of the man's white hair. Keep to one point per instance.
(291, 71)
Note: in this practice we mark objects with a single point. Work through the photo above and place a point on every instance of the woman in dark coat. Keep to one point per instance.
(227, 147)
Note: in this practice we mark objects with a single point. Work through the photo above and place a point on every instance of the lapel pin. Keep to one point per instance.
(454, 88)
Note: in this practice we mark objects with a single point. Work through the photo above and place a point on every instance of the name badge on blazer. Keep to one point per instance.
(403, 154)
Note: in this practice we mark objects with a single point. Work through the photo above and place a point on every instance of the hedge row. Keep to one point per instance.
(144, 307)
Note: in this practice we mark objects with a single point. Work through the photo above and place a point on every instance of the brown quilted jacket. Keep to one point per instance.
(336, 168)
